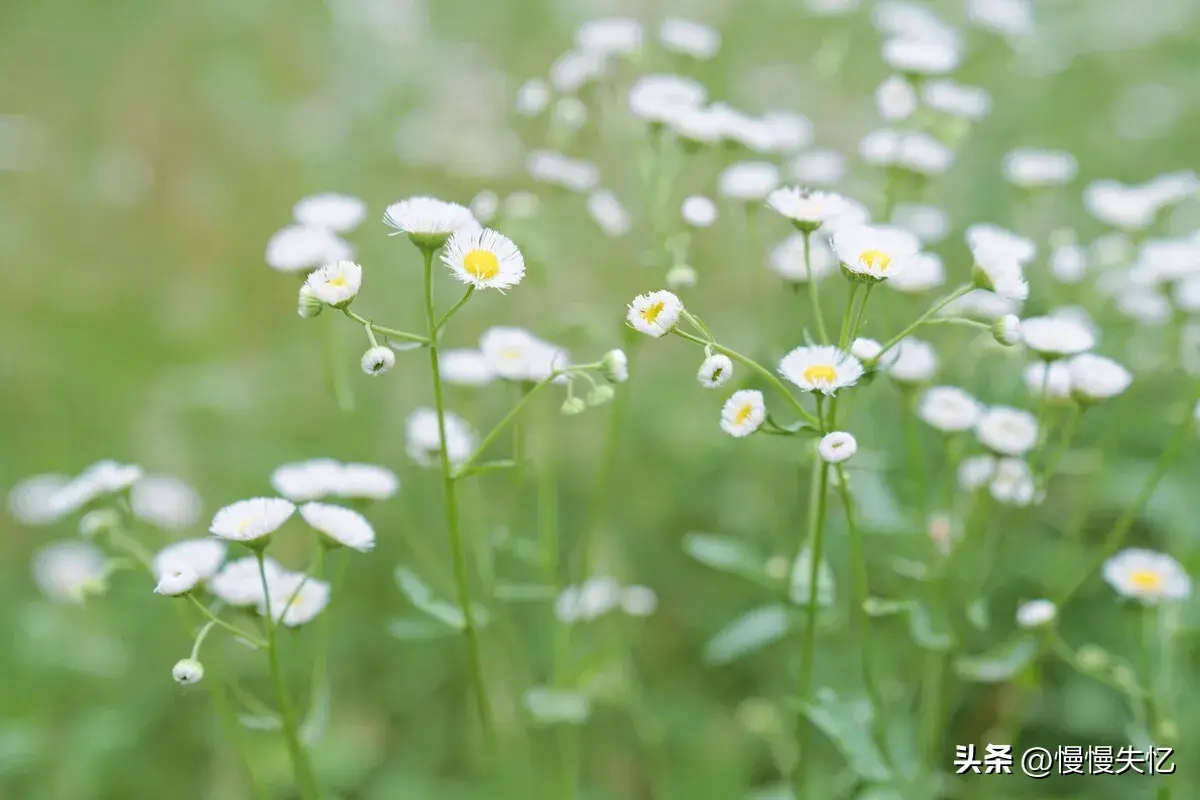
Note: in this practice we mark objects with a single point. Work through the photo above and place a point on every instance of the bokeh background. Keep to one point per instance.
(147, 152)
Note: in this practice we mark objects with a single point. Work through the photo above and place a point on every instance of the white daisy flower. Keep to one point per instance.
(655, 98)
(975, 471)
(1012, 483)
(715, 371)
(1129, 208)
(251, 521)
(915, 362)
(874, 253)
(99, 480)
(616, 366)
(956, 100)
(335, 212)
(607, 211)
(1053, 377)
(681, 276)
(618, 36)
(532, 98)
(238, 583)
(743, 413)
(1036, 613)
(1147, 576)
(200, 557)
(336, 284)
(895, 99)
(377, 360)
(340, 526)
(689, 38)
(31, 501)
(515, 354)
(655, 314)
(949, 409)
(865, 350)
(823, 368)
(991, 242)
(573, 70)
(429, 222)
(1001, 275)
(187, 671)
(698, 211)
(748, 181)
(366, 482)
(927, 222)
(1095, 378)
(424, 441)
(922, 272)
(296, 599)
(307, 480)
(696, 126)
(1007, 431)
(836, 447)
(785, 131)
(595, 598)
(68, 571)
(1034, 169)
(176, 580)
(1011, 18)
(484, 259)
(300, 248)
(548, 166)
(921, 56)
(1186, 294)
(807, 209)
(923, 154)
(1007, 330)
(466, 367)
(570, 114)
(1054, 337)
(638, 601)
(818, 167)
(787, 258)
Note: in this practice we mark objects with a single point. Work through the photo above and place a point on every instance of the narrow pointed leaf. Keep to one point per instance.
(752, 631)
(1000, 663)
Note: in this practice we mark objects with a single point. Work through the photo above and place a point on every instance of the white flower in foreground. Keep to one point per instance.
(655, 314)
(549, 166)
(340, 526)
(307, 480)
(336, 284)
(187, 671)
(915, 362)
(656, 98)
(238, 583)
(949, 409)
(699, 211)
(296, 599)
(68, 571)
(466, 367)
(1054, 337)
(532, 97)
(300, 248)
(377, 360)
(921, 56)
(251, 521)
(1095, 378)
(743, 413)
(515, 354)
(616, 36)
(1050, 377)
(874, 253)
(99, 480)
(1012, 483)
(1036, 613)
(823, 368)
(895, 99)
(836, 447)
(787, 259)
(689, 38)
(616, 366)
(716, 370)
(1147, 576)
(748, 181)
(1030, 168)
(1001, 275)
(424, 441)
(176, 581)
(336, 212)
(484, 259)
(31, 501)
(595, 598)
(923, 272)
(818, 167)
(201, 557)
(807, 209)
(429, 222)
(1007, 431)
(975, 471)
(604, 207)
(165, 501)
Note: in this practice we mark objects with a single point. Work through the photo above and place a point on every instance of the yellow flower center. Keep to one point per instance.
(875, 259)
(743, 414)
(820, 373)
(1146, 580)
(338, 281)
(482, 264)
(650, 313)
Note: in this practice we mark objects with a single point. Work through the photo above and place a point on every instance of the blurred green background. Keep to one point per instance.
(149, 149)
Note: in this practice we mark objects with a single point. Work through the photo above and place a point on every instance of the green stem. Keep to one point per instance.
(847, 316)
(812, 288)
(912, 437)
(804, 689)
(453, 310)
(1064, 441)
(457, 549)
(391, 333)
(215, 620)
(968, 323)
(507, 420)
(933, 309)
(862, 313)
(306, 782)
(339, 384)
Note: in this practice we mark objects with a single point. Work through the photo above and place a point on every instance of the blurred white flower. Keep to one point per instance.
(921, 56)
(975, 471)
(822, 368)
(377, 360)
(696, 125)
(200, 557)
(1012, 483)
(1007, 431)
(1147, 576)
(336, 284)
(465, 367)
(616, 366)
(1095, 378)
(251, 520)
(300, 248)
(916, 361)
(743, 413)
(699, 211)
(549, 166)
(655, 314)
(99, 480)
(836, 447)
(787, 259)
(922, 272)
(484, 258)
(748, 181)
(808, 209)
(895, 99)
(336, 212)
(949, 409)
(1036, 613)
(532, 98)
(991, 242)
(515, 354)
(689, 38)
(638, 601)
(981, 304)
(570, 114)
(318, 478)
(176, 580)
(865, 349)
(424, 440)
(1010, 18)
(1053, 378)
(574, 69)
(1053, 337)
(915, 151)
(819, 167)
(296, 599)
(31, 500)
(68, 571)
(610, 37)
(1031, 169)
(874, 253)
(784, 132)
(595, 598)
(1000, 273)
(1129, 208)
(715, 371)
(239, 583)
(1068, 263)
(604, 207)
(340, 526)
(957, 100)
(655, 98)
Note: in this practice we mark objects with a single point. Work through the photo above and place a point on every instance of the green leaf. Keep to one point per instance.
(847, 726)
(908, 568)
(925, 631)
(882, 607)
(876, 503)
(259, 722)
(1000, 663)
(550, 706)
(488, 466)
(317, 719)
(418, 629)
(423, 599)
(977, 614)
(801, 581)
(524, 592)
(752, 631)
(726, 554)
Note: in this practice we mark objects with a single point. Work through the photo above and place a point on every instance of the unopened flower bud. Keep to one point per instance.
(1007, 330)
(187, 671)
(308, 305)
(681, 276)
(378, 360)
(573, 405)
(616, 366)
(1092, 658)
(600, 395)
(175, 582)
(99, 521)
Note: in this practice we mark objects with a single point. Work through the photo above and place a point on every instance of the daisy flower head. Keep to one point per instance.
(1095, 378)
(187, 671)
(957, 100)
(791, 260)
(638, 601)
(1002, 275)
(1051, 378)
(689, 38)
(821, 368)
(655, 98)
(556, 169)
(749, 181)
(532, 97)
(336, 284)
(895, 99)
(300, 248)
(988, 241)
(923, 272)
(466, 367)
(484, 259)
(807, 209)
(99, 480)
(239, 583)
(1007, 431)
(921, 55)
(429, 222)
(915, 362)
(515, 354)
(251, 522)
(30, 502)
(715, 371)
(743, 413)
(655, 314)
(334, 212)
(366, 482)
(949, 409)
(308, 305)
(607, 211)
(612, 37)
(70, 570)
(176, 580)
(836, 447)
(424, 439)
(339, 527)
(1054, 337)
(872, 254)
(975, 471)
(616, 366)
(1007, 330)
(1030, 168)
(201, 557)
(699, 211)
(1147, 576)
(1012, 483)
(377, 360)
(296, 599)
(1036, 613)
(307, 480)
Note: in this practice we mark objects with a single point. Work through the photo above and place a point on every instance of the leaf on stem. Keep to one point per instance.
(1000, 663)
(551, 706)
(422, 597)
(726, 554)
(418, 629)
(524, 592)
(259, 722)
(847, 724)
(925, 631)
(317, 719)
(488, 466)
(751, 631)
(802, 577)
